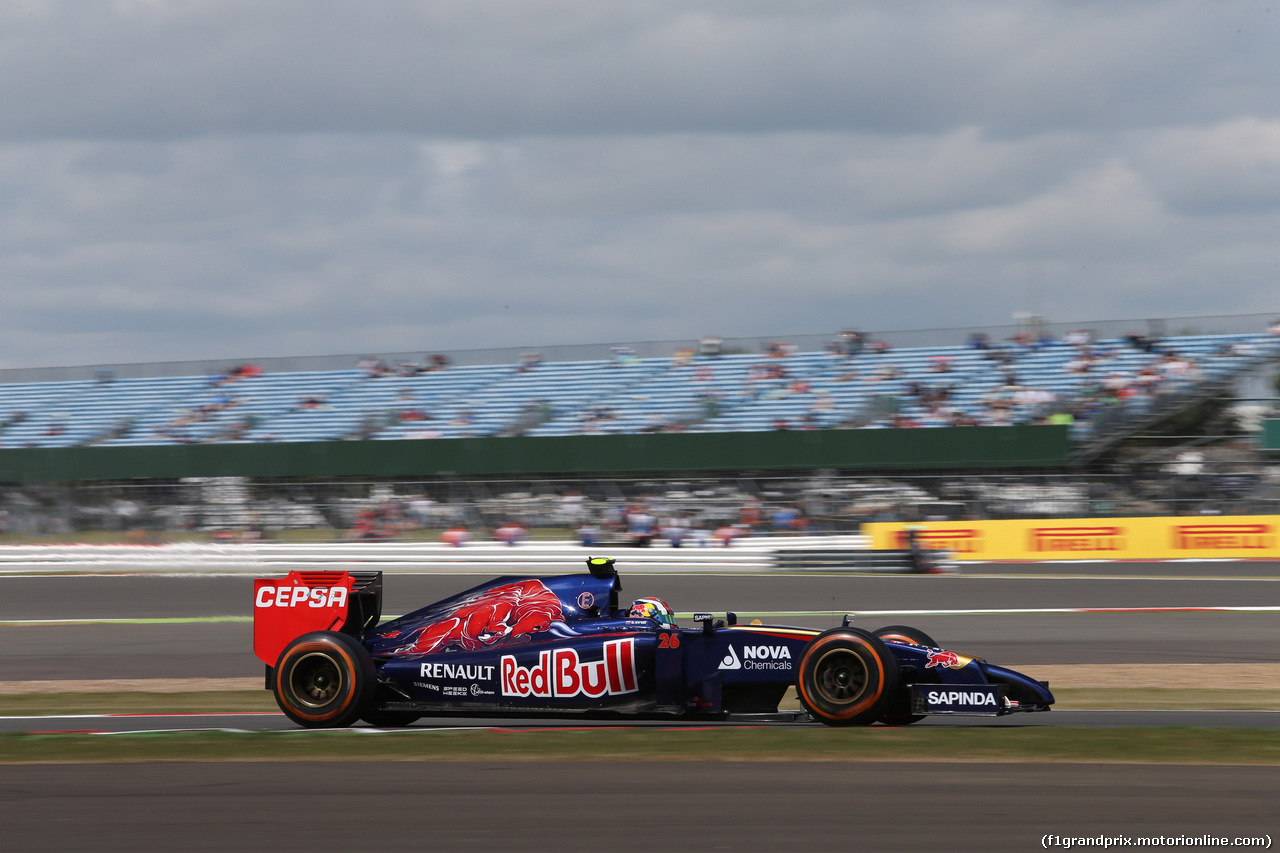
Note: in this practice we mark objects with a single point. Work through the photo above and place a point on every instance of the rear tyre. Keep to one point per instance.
(389, 719)
(847, 677)
(324, 680)
(898, 711)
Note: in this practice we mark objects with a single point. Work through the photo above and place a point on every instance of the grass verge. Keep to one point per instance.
(1037, 745)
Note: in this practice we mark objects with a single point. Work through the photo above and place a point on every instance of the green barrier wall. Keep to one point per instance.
(1271, 434)
(970, 447)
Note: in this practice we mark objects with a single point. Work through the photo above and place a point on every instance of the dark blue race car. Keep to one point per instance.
(564, 646)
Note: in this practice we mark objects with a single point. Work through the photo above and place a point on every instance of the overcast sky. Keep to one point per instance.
(220, 179)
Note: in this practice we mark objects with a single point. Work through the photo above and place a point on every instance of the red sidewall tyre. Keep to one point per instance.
(847, 677)
(324, 680)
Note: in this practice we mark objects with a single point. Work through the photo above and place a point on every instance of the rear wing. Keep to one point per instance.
(305, 601)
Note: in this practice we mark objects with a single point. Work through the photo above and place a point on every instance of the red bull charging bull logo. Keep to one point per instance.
(499, 616)
(938, 657)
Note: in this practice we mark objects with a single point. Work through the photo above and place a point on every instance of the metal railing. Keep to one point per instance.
(1221, 476)
(759, 555)
(808, 342)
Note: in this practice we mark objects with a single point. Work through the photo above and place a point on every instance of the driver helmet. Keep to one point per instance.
(653, 608)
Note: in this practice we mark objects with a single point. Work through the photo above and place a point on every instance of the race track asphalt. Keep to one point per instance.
(768, 806)
(623, 806)
(275, 722)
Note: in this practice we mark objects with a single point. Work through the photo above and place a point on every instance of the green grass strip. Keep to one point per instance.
(1033, 744)
(1166, 699)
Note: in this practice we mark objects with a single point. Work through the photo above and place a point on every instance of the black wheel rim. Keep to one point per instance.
(316, 680)
(840, 677)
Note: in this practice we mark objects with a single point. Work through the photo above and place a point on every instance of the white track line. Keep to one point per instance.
(1022, 611)
(772, 614)
(1032, 610)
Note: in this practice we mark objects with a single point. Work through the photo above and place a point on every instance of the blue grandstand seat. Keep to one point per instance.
(729, 392)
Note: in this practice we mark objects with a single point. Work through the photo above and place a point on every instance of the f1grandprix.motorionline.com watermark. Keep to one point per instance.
(1108, 841)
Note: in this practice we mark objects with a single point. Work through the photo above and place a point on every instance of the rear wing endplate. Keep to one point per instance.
(305, 601)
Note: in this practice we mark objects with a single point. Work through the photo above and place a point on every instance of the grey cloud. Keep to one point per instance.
(1230, 168)
(214, 179)
(510, 68)
(268, 244)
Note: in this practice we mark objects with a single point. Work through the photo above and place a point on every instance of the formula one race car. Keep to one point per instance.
(563, 645)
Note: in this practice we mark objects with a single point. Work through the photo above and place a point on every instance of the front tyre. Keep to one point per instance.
(906, 634)
(847, 677)
(898, 710)
(324, 680)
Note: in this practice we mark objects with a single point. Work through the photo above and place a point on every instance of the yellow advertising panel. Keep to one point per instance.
(1199, 537)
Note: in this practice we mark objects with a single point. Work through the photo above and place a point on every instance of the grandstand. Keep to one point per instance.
(838, 428)
(1101, 387)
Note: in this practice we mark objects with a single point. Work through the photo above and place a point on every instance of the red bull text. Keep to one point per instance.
(561, 674)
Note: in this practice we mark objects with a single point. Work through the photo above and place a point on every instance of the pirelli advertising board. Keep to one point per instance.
(1239, 536)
